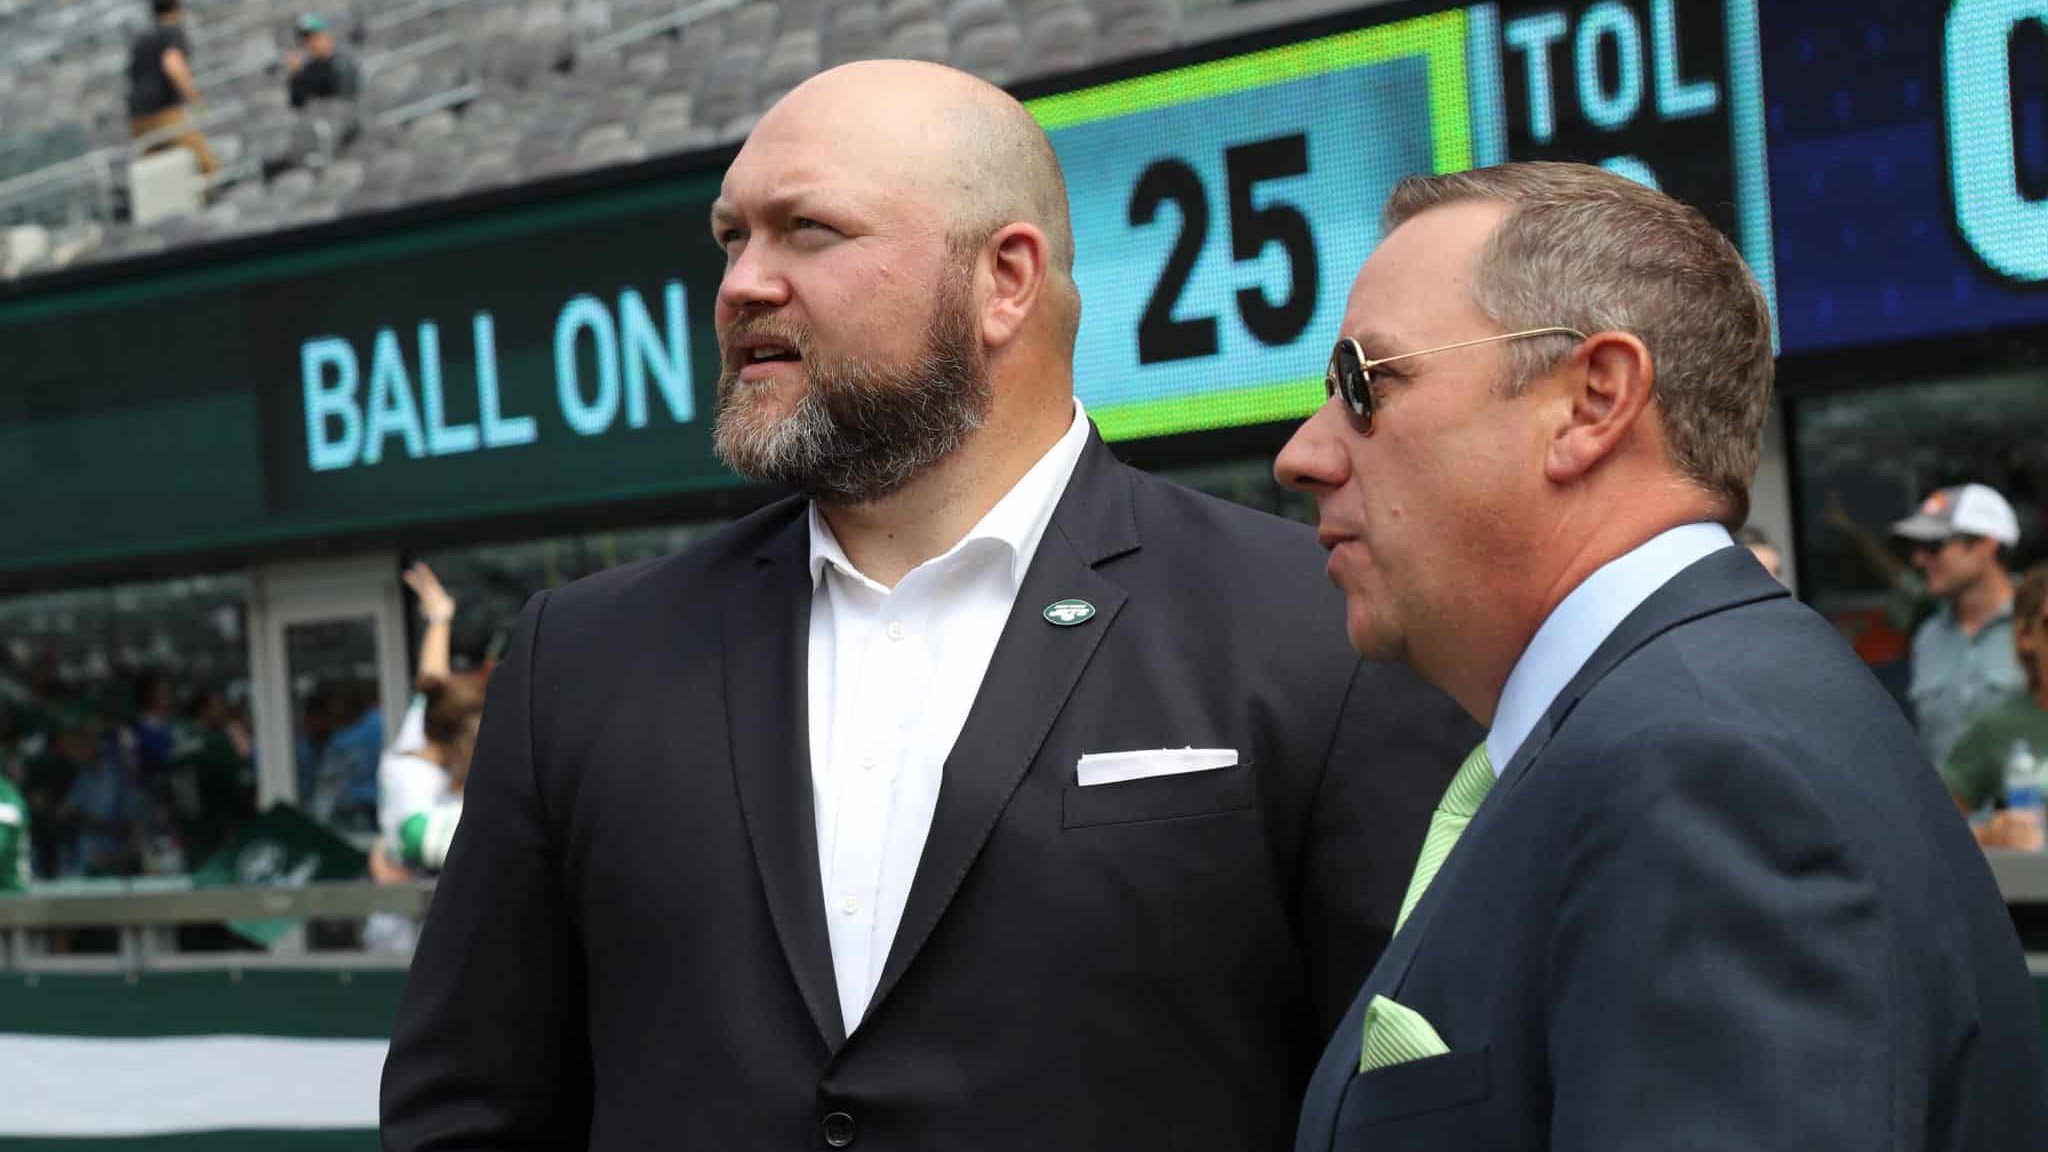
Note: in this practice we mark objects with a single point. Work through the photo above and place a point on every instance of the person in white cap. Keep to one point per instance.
(1963, 660)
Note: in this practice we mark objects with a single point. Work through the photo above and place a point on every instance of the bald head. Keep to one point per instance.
(960, 146)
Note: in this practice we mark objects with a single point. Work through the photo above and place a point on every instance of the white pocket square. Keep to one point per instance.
(1117, 767)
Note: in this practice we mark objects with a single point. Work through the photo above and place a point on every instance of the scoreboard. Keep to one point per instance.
(1881, 164)
(1909, 168)
(1222, 207)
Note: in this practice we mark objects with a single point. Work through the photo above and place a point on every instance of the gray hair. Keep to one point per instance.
(1584, 248)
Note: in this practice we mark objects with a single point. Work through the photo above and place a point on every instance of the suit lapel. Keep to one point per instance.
(1722, 580)
(1717, 582)
(1030, 676)
(767, 657)
(1392, 968)
(1316, 1128)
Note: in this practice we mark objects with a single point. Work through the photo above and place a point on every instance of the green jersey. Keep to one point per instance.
(13, 839)
(1975, 769)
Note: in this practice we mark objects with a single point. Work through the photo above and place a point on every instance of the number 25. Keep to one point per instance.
(1161, 337)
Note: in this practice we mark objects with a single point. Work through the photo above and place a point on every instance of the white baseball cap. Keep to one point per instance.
(1964, 510)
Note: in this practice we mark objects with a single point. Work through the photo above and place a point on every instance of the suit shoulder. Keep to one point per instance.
(1176, 513)
(1216, 560)
(1763, 690)
(1660, 695)
(707, 564)
(1692, 782)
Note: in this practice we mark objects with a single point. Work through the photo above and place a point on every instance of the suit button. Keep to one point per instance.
(839, 1129)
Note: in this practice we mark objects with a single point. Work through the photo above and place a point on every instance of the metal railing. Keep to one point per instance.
(2022, 876)
(418, 50)
(80, 21)
(145, 923)
(647, 29)
(94, 169)
(385, 21)
(145, 915)
(426, 106)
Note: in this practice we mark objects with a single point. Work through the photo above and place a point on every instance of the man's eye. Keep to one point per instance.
(1380, 380)
(727, 237)
(805, 224)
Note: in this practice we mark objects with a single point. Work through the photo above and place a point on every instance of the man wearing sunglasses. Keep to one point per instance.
(1963, 660)
(1698, 887)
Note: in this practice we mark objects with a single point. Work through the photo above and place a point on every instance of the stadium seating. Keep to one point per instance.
(460, 96)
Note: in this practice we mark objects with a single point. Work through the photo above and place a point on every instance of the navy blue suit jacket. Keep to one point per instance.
(1717, 900)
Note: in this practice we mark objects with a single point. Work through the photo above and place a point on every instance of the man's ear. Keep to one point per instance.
(1606, 382)
(1017, 269)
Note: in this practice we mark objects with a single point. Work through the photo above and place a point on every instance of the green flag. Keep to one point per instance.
(284, 846)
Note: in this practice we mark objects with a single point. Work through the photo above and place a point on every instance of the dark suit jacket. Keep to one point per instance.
(628, 947)
(1718, 900)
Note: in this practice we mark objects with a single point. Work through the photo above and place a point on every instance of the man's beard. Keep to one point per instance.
(861, 430)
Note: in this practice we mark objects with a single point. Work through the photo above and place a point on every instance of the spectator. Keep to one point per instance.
(422, 818)
(108, 808)
(35, 719)
(317, 71)
(1975, 771)
(345, 781)
(153, 735)
(1963, 660)
(213, 787)
(415, 772)
(14, 848)
(1759, 544)
(161, 91)
(319, 719)
(419, 780)
(47, 781)
(12, 751)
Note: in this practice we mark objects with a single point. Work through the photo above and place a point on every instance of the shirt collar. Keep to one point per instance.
(1946, 612)
(1578, 626)
(1016, 524)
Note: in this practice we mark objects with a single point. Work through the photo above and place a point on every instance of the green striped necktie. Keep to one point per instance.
(1395, 1034)
(1468, 788)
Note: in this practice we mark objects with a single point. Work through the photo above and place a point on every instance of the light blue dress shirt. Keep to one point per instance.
(1584, 620)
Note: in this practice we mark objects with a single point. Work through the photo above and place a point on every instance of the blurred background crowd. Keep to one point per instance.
(125, 713)
(256, 115)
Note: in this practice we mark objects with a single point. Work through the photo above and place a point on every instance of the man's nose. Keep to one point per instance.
(1314, 459)
(753, 281)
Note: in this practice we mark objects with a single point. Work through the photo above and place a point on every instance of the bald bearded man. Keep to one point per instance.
(804, 837)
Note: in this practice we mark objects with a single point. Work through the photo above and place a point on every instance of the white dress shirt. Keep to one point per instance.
(1585, 619)
(893, 673)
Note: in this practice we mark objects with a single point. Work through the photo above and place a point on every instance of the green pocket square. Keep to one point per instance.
(1396, 1035)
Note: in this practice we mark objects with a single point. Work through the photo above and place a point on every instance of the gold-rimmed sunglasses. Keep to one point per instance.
(1350, 373)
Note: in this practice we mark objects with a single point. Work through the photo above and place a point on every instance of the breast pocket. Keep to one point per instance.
(1434, 1084)
(1924, 696)
(1999, 681)
(1187, 794)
